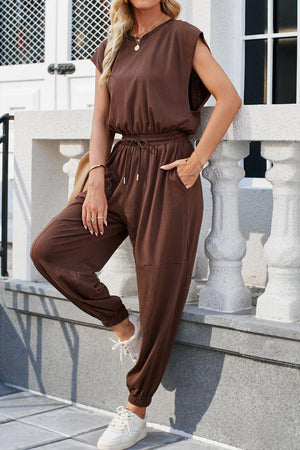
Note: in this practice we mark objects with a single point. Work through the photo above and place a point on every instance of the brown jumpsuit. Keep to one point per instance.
(155, 103)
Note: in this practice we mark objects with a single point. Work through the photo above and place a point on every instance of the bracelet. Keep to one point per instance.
(97, 165)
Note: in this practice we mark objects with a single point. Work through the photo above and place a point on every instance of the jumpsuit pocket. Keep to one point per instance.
(179, 180)
(183, 152)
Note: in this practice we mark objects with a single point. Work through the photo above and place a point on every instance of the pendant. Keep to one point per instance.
(137, 41)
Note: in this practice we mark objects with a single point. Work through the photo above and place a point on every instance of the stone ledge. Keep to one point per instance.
(240, 334)
(251, 123)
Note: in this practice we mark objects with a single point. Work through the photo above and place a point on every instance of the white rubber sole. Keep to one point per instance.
(138, 438)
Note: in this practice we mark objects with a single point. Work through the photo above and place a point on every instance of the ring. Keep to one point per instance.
(100, 217)
(93, 218)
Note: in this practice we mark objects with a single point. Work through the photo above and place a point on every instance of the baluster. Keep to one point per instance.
(73, 150)
(281, 299)
(225, 246)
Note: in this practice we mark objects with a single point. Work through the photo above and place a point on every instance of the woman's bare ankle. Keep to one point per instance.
(138, 410)
(124, 330)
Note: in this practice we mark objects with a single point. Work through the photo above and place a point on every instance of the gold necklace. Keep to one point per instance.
(138, 39)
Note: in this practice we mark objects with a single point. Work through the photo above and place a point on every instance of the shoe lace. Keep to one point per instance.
(123, 348)
(121, 419)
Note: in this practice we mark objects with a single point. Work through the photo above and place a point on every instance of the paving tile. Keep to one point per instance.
(191, 444)
(4, 419)
(18, 435)
(67, 444)
(91, 437)
(25, 403)
(48, 424)
(69, 421)
(153, 439)
(5, 390)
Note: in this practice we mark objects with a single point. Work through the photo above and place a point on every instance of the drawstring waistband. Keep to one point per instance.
(141, 141)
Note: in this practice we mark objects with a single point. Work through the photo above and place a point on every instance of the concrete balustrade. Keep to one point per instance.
(48, 146)
(225, 246)
(73, 150)
(281, 299)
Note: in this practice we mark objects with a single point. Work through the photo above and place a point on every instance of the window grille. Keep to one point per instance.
(272, 62)
(22, 32)
(271, 52)
(90, 21)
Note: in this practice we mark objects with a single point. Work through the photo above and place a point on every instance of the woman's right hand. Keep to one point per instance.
(95, 205)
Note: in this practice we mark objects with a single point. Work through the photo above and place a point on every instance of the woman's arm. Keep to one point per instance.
(227, 105)
(95, 203)
(101, 139)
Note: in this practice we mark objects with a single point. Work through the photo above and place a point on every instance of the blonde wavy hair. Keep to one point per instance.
(121, 21)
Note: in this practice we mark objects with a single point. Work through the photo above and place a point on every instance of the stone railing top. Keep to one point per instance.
(261, 123)
(252, 122)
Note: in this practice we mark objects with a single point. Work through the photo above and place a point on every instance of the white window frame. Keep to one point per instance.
(269, 36)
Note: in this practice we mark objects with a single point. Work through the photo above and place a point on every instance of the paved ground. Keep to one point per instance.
(30, 421)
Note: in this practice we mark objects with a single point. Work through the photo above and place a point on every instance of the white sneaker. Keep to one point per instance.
(125, 430)
(131, 346)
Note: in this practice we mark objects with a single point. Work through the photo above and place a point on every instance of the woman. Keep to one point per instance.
(153, 75)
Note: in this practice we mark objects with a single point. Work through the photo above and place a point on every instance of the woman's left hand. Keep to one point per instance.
(187, 170)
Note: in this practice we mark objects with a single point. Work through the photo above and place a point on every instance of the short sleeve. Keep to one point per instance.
(198, 92)
(98, 55)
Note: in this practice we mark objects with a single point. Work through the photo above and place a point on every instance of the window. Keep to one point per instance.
(272, 59)
(22, 32)
(90, 20)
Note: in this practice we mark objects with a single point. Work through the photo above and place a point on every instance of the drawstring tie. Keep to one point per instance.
(141, 143)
